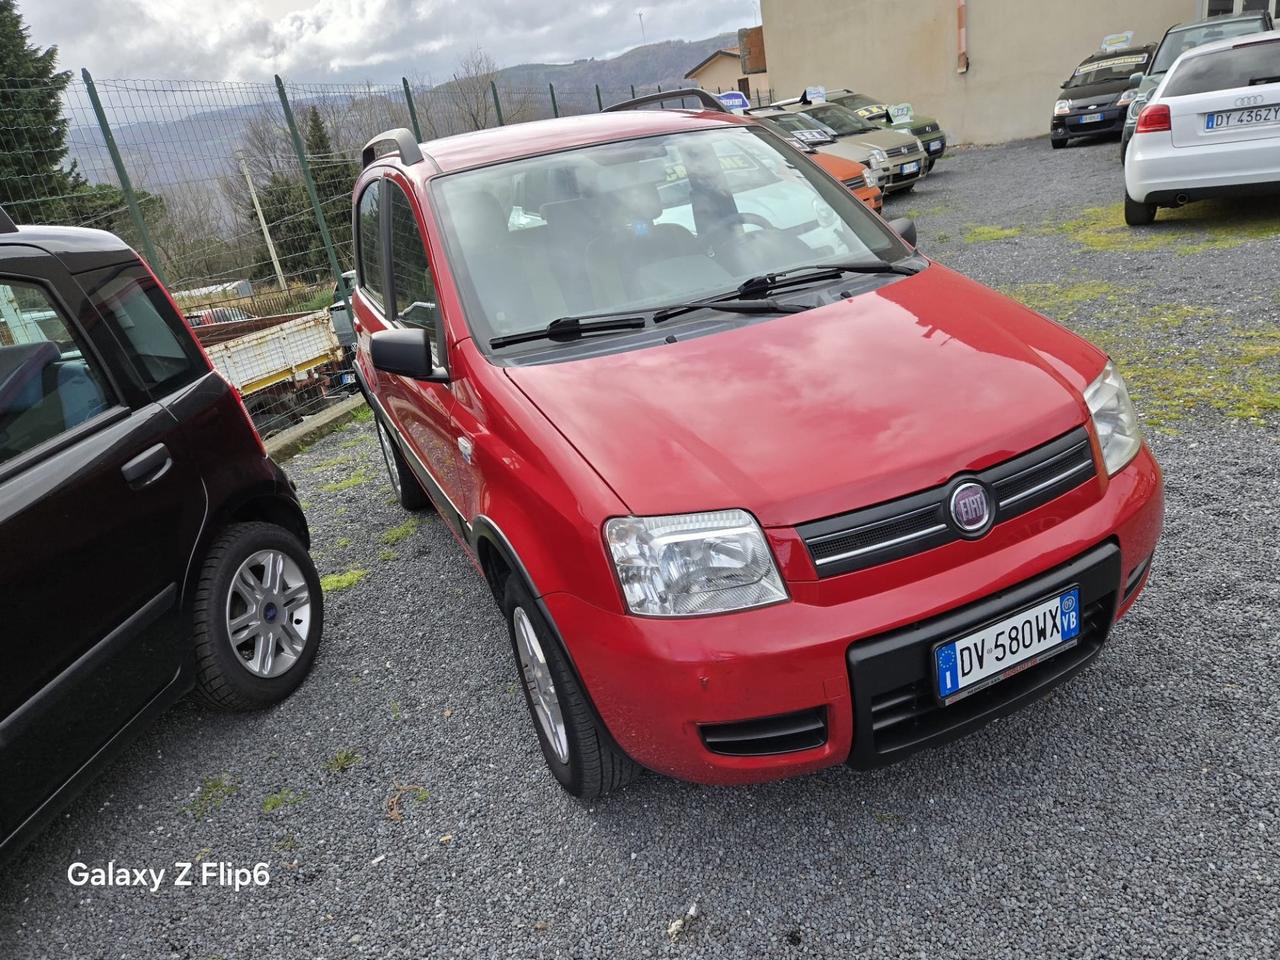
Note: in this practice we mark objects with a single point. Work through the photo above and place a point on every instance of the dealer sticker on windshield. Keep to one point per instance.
(1007, 647)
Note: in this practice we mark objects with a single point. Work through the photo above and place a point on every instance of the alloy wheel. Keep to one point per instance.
(542, 689)
(389, 456)
(268, 613)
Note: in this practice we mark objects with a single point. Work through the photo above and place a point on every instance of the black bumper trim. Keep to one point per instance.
(895, 710)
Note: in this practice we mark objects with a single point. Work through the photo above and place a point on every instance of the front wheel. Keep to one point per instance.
(579, 754)
(408, 490)
(1138, 214)
(257, 618)
(1057, 142)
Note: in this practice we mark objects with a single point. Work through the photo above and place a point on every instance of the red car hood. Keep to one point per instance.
(816, 413)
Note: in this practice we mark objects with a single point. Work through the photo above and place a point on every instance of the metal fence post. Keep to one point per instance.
(126, 186)
(497, 104)
(262, 222)
(316, 208)
(555, 108)
(413, 111)
(633, 91)
(662, 104)
(599, 99)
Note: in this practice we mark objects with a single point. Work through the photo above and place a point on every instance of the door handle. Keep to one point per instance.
(147, 467)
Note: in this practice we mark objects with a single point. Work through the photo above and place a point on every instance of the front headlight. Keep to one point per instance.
(919, 145)
(694, 563)
(1062, 108)
(878, 157)
(1114, 419)
(1126, 98)
(1135, 108)
(870, 176)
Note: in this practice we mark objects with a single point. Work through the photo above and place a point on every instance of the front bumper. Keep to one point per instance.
(934, 146)
(1073, 124)
(663, 686)
(905, 171)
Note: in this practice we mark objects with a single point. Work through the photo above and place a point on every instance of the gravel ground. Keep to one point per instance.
(1132, 813)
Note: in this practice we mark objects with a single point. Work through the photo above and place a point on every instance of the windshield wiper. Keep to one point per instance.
(766, 283)
(571, 328)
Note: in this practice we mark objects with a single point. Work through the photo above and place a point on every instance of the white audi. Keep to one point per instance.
(1210, 129)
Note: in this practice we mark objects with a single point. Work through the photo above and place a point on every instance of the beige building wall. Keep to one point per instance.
(724, 73)
(1020, 51)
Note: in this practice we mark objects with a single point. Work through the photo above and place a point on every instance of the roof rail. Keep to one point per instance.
(406, 145)
(6, 224)
(709, 100)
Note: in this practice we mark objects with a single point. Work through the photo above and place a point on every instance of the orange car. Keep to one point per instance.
(854, 176)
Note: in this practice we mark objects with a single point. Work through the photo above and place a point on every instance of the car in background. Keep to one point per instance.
(758, 488)
(907, 160)
(339, 316)
(1095, 98)
(148, 544)
(925, 129)
(1211, 128)
(201, 318)
(798, 127)
(1176, 41)
(860, 181)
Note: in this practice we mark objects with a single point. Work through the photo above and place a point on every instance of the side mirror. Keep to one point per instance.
(406, 352)
(1136, 78)
(1063, 84)
(904, 227)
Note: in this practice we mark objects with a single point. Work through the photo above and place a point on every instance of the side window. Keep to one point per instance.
(155, 339)
(415, 291)
(370, 261)
(47, 383)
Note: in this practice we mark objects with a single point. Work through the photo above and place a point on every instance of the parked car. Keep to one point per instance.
(797, 126)
(754, 499)
(925, 129)
(1176, 41)
(1096, 97)
(1211, 129)
(860, 180)
(338, 315)
(149, 544)
(907, 160)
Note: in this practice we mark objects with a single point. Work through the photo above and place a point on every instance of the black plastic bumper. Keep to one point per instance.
(895, 709)
(1175, 198)
(1065, 127)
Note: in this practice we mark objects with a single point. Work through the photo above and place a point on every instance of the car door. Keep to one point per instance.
(98, 514)
(423, 411)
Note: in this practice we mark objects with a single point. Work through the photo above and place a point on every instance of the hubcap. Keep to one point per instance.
(389, 456)
(542, 690)
(268, 613)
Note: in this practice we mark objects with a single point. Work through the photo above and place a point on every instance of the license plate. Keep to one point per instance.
(1092, 117)
(1249, 116)
(912, 167)
(999, 650)
(934, 146)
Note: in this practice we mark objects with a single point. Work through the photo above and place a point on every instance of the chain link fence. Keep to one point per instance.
(239, 197)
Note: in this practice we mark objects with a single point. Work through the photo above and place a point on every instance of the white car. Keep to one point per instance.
(1210, 129)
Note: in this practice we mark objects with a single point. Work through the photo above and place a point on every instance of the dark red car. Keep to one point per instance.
(759, 488)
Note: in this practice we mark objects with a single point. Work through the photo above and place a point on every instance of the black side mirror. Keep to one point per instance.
(1063, 84)
(904, 227)
(406, 352)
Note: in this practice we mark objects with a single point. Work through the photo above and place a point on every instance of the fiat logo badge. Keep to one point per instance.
(970, 507)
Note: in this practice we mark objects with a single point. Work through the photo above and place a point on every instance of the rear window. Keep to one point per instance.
(1247, 65)
(1178, 42)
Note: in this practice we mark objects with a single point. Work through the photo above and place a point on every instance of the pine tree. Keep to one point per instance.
(34, 180)
(335, 176)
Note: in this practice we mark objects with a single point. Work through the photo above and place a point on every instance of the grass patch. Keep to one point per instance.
(987, 234)
(339, 461)
(361, 476)
(213, 793)
(386, 555)
(342, 542)
(342, 761)
(359, 441)
(1063, 301)
(1195, 228)
(362, 414)
(400, 532)
(280, 799)
(333, 582)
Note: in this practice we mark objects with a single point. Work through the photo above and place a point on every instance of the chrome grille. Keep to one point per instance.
(901, 151)
(910, 525)
(856, 183)
(925, 129)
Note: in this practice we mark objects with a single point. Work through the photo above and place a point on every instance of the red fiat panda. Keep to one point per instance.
(759, 488)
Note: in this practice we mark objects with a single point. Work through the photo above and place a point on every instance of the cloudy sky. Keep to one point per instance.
(352, 39)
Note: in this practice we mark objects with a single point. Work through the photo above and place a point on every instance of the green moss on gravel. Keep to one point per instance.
(281, 798)
(986, 234)
(361, 476)
(213, 793)
(400, 532)
(334, 582)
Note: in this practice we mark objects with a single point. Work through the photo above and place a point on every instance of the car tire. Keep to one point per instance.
(907, 189)
(1138, 214)
(578, 752)
(1058, 142)
(404, 482)
(929, 166)
(276, 647)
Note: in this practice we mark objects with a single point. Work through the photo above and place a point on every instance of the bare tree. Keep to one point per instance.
(471, 92)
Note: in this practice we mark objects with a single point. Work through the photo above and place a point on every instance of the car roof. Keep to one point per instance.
(59, 240)
(1207, 21)
(1226, 43)
(1118, 52)
(499, 144)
